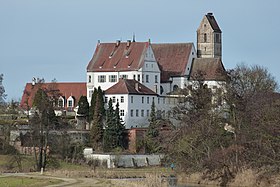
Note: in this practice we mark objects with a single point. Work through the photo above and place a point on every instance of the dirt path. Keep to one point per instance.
(77, 182)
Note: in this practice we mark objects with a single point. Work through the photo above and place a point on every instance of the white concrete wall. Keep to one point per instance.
(126, 160)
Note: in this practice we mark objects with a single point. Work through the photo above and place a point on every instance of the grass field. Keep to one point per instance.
(27, 181)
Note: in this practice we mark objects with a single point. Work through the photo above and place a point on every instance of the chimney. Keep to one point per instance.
(118, 43)
(128, 43)
(210, 14)
(33, 81)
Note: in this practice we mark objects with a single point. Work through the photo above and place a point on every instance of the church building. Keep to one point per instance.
(135, 74)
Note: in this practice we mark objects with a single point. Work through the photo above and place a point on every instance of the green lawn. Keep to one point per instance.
(27, 181)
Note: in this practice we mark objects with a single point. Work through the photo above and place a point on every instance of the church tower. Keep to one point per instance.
(209, 38)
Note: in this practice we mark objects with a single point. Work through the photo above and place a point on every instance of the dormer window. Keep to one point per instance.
(61, 102)
(70, 102)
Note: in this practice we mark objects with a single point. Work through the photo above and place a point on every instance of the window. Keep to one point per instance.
(142, 78)
(113, 78)
(106, 100)
(163, 101)
(146, 65)
(122, 99)
(142, 99)
(131, 113)
(156, 79)
(148, 100)
(61, 102)
(101, 78)
(124, 76)
(161, 90)
(148, 113)
(158, 100)
(138, 77)
(89, 78)
(121, 112)
(175, 87)
(134, 77)
(137, 113)
(205, 37)
(131, 99)
(142, 113)
(147, 78)
(114, 99)
(152, 65)
(70, 103)
(153, 99)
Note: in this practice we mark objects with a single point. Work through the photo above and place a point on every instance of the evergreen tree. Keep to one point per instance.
(151, 143)
(100, 97)
(92, 104)
(120, 129)
(83, 106)
(114, 131)
(153, 130)
(109, 128)
(97, 122)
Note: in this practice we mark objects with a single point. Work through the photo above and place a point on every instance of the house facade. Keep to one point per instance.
(66, 95)
(135, 74)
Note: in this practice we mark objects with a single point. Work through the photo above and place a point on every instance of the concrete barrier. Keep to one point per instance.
(126, 161)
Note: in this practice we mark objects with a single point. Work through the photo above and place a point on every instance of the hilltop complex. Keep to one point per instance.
(135, 74)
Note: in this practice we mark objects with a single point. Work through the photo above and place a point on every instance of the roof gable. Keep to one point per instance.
(118, 56)
(172, 58)
(129, 86)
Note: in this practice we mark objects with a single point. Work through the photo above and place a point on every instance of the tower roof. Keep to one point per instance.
(213, 22)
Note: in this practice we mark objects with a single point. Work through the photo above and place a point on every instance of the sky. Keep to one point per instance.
(55, 39)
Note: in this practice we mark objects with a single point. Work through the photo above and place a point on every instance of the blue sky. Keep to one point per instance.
(56, 38)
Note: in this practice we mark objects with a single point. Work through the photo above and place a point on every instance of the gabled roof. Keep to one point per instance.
(212, 69)
(129, 86)
(172, 58)
(213, 22)
(120, 56)
(63, 89)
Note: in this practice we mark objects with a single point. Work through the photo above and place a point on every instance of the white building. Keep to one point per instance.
(137, 73)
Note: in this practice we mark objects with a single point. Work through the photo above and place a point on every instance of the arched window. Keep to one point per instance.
(70, 102)
(61, 102)
(175, 87)
(205, 37)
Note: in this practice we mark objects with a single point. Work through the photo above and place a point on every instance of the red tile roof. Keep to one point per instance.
(172, 58)
(121, 57)
(65, 89)
(129, 86)
(212, 68)
(213, 22)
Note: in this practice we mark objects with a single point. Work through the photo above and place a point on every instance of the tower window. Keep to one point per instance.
(205, 37)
